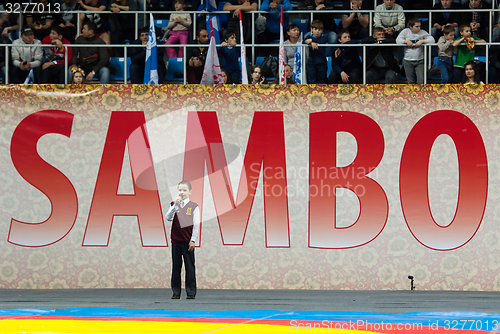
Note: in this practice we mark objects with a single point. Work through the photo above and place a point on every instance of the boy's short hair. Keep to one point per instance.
(187, 183)
(412, 21)
(377, 29)
(182, 2)
(448, 29)
(59, 30)
(229, 33)
(144, 29)
(342, 32)
(463, 26)
(91, 26)
(317, 24)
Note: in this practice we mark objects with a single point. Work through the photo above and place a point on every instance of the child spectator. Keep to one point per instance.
(446, 45)
(316, 64)
(346, 65)
(230, 54)
(179, 24)
(256, 77)
(53, 71)
(414, 38)
(465, 50)
(385, 18)
(225, 76)
(78, 77)
(380, 61)
(471, 72)
(288, 76)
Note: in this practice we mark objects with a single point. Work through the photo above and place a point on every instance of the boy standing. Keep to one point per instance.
(346, 66)
(53, 66)
(414, 37)
(230, 54)
(465, 49)
(316, 64)
(446, 44)
(185, 217)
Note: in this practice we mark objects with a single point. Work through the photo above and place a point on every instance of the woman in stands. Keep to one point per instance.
(472, 75)
(225, 77)
(288, 76)
(256, 77)
(293, 33)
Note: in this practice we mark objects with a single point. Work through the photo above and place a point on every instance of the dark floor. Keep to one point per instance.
(286, 300)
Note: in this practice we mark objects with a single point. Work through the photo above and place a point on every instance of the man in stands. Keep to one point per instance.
(196, 57)
(39, 20)
(124, 23)
(380, 60)
(68, 21)
(101, 20)
(138, 56)
(53, 65)
(26, 58)
(355, 22)
(94, 60)
(233, 21)
(478, 21)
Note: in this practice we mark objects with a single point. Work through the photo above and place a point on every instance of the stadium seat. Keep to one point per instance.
(175, 65)
(161, 23)
(303, 25)
(337, 22)
(259, 61)
(119, 64)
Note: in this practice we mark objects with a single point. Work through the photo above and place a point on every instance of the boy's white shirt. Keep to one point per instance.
(196, 218)
(414, 53)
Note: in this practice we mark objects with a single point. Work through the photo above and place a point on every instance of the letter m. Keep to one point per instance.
(265, 150)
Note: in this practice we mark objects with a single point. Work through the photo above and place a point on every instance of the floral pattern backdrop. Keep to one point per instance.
(383, 263)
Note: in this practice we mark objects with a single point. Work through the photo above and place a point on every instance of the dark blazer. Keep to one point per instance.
(386, 52)
(484, 19)
(441, 19)
(326, 18)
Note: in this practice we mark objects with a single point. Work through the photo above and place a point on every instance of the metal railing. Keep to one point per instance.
(254, 45)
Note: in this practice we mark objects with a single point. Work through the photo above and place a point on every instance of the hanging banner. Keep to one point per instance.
(299, 187)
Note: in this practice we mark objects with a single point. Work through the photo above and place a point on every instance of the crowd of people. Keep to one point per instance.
(459, 30)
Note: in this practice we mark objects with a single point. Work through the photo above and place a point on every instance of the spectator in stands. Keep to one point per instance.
(53, 70)
(256, 77)
(273, 19)
(329, 25)
(9, 22)
(471, 74)
(494, 69)
(100, 20)
(179, 25)
(225, 77)
(496, 22)
(201, 20)
(356, 23)
(78, 77)
(196, 57)
(479, 21)
(466, 50)
(26, 58)
(233, 21)
(446, 45)
(293, 33)
(380, 60)
(230, 54)
(414, 37)
(385, 18)
(440, 20)
(138, 57)
(40, 21)
(288, 76)
(316, 64)
(346, 65)
(124, 23)
(94, 60)
(68, 21)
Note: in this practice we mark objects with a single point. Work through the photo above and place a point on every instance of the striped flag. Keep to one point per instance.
(281, 59)
(297, 66)
(244, 74)
(151, 69)
(211, 72)
(30, 79)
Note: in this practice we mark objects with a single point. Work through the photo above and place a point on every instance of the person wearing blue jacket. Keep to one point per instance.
(316, 64)
(273, 19)
(229, 54)
(346, 65)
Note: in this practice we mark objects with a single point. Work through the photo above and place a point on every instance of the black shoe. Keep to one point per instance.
(190, 297)
(176, 297)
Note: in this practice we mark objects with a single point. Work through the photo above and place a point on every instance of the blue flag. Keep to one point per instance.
(30, 79)
(297, 66)
(151, 69)
(214, 19)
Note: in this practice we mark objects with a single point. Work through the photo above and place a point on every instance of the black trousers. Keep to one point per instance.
(180, 251)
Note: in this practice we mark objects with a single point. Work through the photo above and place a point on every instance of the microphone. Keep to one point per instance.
(177, 202)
